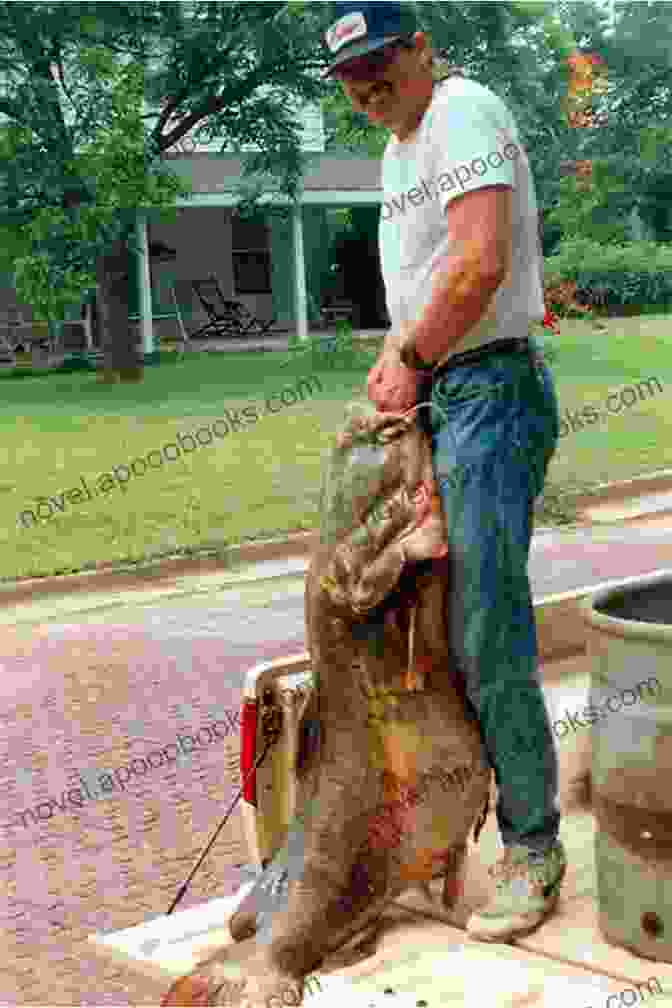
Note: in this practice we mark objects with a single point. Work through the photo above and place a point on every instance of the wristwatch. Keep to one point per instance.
(410, 358)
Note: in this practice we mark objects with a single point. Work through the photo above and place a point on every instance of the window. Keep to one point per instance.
(251, 256)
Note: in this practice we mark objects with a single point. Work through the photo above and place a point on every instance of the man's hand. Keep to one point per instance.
(391, 387)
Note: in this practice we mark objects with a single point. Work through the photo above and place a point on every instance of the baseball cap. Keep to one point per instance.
(362, 28)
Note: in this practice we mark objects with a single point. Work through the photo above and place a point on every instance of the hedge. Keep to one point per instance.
(634, 276)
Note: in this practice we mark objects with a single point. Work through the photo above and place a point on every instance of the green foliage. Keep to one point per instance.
(79, 154)
(349, 131)
(635, 274)
(53, 253)
(655, 205)
(595, 208)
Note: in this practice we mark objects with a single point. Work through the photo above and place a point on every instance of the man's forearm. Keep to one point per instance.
(462, 294)
(395, 339)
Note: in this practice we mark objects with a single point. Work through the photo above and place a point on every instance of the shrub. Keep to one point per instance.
(627, 278)
(594, 203)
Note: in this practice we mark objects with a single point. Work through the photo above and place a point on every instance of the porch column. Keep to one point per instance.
(300, 290)
(144, 285)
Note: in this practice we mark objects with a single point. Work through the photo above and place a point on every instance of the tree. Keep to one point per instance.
(70, 232)
(82, 154)
(641, 64)
(624, 143)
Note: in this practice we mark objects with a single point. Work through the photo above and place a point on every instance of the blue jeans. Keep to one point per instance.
(495, 428)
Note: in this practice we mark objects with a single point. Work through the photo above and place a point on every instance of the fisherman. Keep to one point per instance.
(462, 265)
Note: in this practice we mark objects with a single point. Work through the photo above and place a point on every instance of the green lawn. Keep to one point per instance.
(264, 479)
(590, 366)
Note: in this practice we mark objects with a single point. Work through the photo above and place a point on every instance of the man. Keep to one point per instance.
(461, 263)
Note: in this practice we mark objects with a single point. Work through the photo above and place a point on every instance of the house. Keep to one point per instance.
(277, 266)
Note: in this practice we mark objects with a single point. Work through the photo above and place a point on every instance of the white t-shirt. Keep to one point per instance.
(467, 139)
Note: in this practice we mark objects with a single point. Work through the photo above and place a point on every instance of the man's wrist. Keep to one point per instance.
(393, 342)
(411, 358)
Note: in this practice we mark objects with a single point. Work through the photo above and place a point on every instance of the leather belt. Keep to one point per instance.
(478, 354)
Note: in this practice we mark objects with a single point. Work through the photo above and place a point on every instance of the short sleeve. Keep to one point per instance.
(475, 144)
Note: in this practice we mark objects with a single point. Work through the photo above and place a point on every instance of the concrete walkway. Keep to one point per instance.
(268, 344)
(560, 561)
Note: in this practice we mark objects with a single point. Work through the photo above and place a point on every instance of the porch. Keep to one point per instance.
(276, 266)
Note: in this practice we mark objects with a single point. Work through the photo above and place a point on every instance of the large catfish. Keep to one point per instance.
(391, 768)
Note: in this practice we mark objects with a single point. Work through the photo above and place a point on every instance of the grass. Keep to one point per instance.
(264, 480)
(591, 365)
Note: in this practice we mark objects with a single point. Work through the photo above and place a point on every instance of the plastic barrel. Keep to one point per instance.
(629, 641)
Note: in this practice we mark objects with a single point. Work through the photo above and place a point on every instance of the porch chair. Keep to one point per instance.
(228, 317)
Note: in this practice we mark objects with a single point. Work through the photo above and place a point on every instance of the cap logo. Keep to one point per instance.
(348, 28)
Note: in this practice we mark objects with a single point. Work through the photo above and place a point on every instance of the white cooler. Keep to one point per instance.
(277, 690)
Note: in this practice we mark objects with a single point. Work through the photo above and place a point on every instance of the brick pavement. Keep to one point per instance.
(104, 695)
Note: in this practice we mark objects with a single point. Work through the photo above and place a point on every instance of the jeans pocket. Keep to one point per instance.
(450, 388)
(450, 396)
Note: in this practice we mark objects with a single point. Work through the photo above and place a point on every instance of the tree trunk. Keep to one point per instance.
(121, 360)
